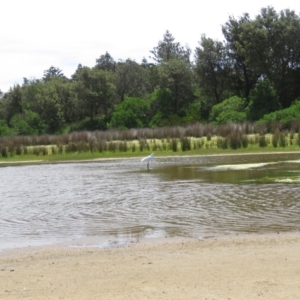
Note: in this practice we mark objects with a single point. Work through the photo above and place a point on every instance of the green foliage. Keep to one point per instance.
(270, 45)
(131, 79)
(231, 110)
(5, 130)
(242, 77)
(97, 123)
(131, 113)
(28, 123)
(255, 68)
(212, 69)
(106, 62)
(284, 116)
(262, 100)
(53, 72)
(193, 113)
(94, 91)
(176, 80)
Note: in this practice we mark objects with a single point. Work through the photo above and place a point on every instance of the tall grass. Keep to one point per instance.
(177, 138)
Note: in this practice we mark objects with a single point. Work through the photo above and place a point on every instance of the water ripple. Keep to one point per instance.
(121, 200)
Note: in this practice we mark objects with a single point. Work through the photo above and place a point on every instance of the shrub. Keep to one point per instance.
(263, 100)
(231, 110)
(285, 116)
(131, 113)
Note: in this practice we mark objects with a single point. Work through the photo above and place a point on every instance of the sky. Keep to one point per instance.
(35, 34)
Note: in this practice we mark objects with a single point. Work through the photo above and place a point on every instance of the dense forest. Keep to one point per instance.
(252, 75)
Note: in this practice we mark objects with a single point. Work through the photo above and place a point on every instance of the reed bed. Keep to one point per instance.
(189, 138)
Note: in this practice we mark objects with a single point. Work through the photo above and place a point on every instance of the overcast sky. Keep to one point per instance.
(36, 34)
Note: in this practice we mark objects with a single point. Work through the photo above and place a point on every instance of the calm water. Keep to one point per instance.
(119, 201)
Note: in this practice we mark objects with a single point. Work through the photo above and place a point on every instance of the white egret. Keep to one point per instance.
(148, 159)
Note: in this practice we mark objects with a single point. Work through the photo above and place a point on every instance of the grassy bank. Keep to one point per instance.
(86, 146)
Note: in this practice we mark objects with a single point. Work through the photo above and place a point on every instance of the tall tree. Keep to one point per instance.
(131, 79)
(243, 78)
(95, 91)
(53, 72)
(12, 103)
(74, 77)
(272, 47)
(106, 62)
(44, 99)
(176, 76)
(169, 49)
(213, 69)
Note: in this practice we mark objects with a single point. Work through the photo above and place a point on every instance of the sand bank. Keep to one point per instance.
(248, 267)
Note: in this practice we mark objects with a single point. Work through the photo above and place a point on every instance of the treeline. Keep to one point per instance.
(253, 75)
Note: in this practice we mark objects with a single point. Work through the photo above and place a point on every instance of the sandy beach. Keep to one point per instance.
(240, 267)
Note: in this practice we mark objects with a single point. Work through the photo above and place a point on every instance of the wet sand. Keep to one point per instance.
(242, 267)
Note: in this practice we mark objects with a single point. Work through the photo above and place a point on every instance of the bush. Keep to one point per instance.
(231, 110)
(131, 113)
(28, 123)
(285, 116)
(263, 99)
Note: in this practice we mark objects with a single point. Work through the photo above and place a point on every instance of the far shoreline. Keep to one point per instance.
(79, 159)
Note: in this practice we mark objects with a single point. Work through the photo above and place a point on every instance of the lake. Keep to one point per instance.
(116, 202)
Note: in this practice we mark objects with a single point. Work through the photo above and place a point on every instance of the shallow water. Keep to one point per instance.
(108, 203)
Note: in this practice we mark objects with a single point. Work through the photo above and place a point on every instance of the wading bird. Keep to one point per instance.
(148, 159)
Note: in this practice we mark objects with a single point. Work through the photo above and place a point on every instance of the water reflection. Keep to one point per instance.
(115, 202)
